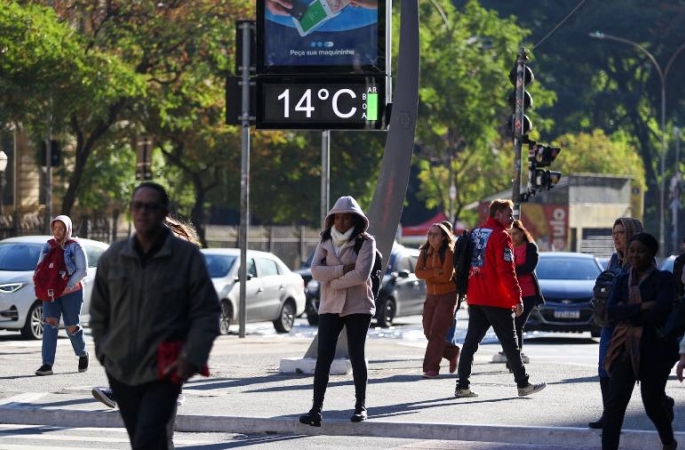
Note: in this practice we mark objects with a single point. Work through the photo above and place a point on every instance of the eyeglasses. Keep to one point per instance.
(152, 206)
(618, 233)
(431, 234)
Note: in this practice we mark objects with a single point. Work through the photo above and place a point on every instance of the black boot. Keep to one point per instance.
(360, 414)
(604, 385)
(313, 417)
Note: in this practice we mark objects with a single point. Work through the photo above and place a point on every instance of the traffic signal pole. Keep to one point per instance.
(518, 129)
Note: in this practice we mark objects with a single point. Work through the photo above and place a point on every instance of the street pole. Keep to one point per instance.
(662, 162)
(244, 179)
(519, 132)
(676, 190)
(325, 174)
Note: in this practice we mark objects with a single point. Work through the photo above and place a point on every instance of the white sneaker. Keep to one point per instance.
(531, 389)
(525, 358)
(464, 393)
(181, 398)
(499, 357)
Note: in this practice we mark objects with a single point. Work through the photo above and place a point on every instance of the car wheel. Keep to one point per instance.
(226, 317)
(33, 328)
(312, 313)
(286, 319)
(386, 312)
(595, 332)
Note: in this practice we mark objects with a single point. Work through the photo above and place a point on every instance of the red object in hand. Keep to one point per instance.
(167, 354)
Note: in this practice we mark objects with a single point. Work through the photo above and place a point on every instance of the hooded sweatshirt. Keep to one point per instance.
(74, 256)
(345, 293)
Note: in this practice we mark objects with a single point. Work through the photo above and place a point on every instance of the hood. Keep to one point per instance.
(346, 204)
(632, 226)
(67, 223)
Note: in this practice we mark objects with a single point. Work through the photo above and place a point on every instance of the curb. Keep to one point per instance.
(544, 436)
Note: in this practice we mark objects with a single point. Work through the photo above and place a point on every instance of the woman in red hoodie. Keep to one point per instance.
(435, 265)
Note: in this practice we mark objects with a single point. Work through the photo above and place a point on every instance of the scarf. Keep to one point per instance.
(626, 338)
(339, 239)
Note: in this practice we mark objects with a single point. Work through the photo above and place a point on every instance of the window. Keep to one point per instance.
(19, 257)
(267, 267)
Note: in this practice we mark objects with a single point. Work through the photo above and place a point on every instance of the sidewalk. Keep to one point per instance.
(246, 394)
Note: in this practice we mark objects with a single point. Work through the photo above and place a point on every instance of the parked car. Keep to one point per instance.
(311, 296)
(402, 294)
(19, 308)
(566, 282)
(273, 292)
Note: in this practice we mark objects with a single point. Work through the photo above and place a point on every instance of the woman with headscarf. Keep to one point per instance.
(435, 265)
(346, 300)
(68, 303)
(639, 305)
(622, 231)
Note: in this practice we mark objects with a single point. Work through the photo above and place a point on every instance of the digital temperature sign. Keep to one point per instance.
(321, 103)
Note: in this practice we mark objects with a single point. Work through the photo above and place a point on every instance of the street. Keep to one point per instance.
(245, 383)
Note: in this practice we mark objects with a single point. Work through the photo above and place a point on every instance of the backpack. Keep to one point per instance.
(461, 259)
(600, 295)
(376, 270)
(50, 277)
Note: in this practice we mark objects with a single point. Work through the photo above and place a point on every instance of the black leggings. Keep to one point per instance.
(330, 327)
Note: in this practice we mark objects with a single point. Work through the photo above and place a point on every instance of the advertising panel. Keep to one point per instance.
(321, 36)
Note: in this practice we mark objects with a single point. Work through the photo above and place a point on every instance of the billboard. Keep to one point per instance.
(321, 36)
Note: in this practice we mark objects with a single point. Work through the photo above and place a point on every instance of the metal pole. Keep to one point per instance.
(48, 180)
(662, 169)
(325, 173)
(244, 178)
(15, 211)
(676, 200)
(519, 124)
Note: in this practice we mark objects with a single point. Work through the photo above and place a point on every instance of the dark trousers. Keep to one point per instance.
(529, 304)
(481, 318)
(653, 389)
(330, 327)
(438, 314)
(146, 410)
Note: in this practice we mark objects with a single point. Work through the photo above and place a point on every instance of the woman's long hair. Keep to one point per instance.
(448, 242)
(526, 234)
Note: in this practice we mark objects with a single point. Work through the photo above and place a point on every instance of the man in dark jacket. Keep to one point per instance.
(678, 265)
(494, 298)
(154, 315)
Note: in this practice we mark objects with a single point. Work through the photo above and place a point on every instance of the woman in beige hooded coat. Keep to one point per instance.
(346, 300)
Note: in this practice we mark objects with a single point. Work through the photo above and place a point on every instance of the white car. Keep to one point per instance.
(273, 292)
(19, 308)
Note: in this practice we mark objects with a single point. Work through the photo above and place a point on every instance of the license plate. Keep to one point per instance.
(572, 314)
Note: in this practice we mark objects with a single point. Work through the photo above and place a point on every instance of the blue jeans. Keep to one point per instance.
(69, 306)
(604, 339)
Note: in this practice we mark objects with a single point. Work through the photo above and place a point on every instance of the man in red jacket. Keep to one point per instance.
(494, 298)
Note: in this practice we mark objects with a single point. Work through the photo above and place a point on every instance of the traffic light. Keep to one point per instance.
(540, 155)
(520, 100)
(544, 154)
(546, 179)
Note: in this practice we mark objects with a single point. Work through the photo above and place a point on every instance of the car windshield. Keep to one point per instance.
(567, 269)
(219, 265)
(18, 256)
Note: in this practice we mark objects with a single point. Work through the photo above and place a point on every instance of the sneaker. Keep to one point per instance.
(430, 374)
(105, 396)
(531, 389)
(525, 358)
(83, 363)
(464, 393)
(181, 398)
(499, 357)
(45, 369)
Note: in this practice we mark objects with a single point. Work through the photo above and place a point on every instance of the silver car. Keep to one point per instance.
(19, 308)
(273, 292)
